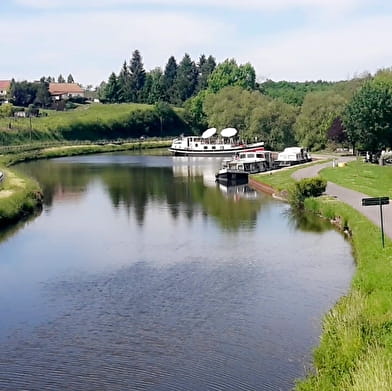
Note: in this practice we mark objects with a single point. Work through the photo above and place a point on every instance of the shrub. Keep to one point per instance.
(305, 188)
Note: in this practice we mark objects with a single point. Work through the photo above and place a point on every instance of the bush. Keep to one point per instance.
(305, 188)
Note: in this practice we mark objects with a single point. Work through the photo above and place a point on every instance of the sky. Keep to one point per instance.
(293, 40)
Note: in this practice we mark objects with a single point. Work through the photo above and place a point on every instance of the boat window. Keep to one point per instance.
(260, 155)
(196, 145)
(251, 155)
(242, 156)
(213, 147)
(205, 147)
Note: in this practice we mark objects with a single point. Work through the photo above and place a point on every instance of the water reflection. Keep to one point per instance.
(142, 273)
(186, 186)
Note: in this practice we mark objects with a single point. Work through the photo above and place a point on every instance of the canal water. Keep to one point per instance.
(141, 273)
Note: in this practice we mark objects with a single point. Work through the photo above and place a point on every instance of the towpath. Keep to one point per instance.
(350, 197)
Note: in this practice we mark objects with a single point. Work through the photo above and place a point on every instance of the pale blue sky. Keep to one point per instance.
(282, 39)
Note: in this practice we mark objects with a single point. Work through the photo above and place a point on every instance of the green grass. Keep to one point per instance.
(281, 179)
(19, 196)
(366, 178)
(355, 351)
(93, 122)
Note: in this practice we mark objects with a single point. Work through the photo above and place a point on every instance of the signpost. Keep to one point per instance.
(377, 201)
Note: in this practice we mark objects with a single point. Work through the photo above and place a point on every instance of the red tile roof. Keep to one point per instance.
(5, 85)
(65, 88)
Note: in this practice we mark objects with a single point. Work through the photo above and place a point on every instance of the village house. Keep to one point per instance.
(4, 88)
(63, 91)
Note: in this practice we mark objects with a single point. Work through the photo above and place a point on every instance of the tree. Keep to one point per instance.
(70, 79)
(229, 73)
(137, 76)
(154, 91)
(42, 97)
(60, 79)
(205, 67)
(368, 117)
(112, 89)
(169, 77)
(337, 133)
(186, 79)
(253, 114)
(318, 112)
(124, 82)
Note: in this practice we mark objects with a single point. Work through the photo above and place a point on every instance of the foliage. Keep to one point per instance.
(70, 79)
(336, 133)
(186, 79)
(137, 77)
(256, 116)
(318, 112)
(112, 90)
(94, 122)
(368, 117)
(229, 73)
(305, 188)
(6, 110)
(205, 67)
(292, 92)
(25, 93)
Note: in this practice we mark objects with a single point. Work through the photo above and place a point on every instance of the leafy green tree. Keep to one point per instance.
(137, 76)
(112, 89)
(22, 93)
(186, 79)
(318, 112)
(229, 73)
(169, 77)
(6, 110)
(194, 113)
(60, 79)
(368, 117)
(70, 79)
(273, 122)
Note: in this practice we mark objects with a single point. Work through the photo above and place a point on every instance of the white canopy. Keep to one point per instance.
(228, 132)
(208, 133)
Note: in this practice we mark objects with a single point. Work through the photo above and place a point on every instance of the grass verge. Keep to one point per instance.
(366, 178)
(355, 352)
(19, 196)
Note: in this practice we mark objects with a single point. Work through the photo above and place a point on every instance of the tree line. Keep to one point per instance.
(175, 84)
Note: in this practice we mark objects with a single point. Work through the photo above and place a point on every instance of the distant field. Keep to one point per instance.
(92, 122)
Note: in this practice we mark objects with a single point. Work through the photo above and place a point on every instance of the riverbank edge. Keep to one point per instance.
(355, 350)
(25, 195)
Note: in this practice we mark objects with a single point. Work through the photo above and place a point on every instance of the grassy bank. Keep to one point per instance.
(94, 122)
(19, 196)
(79, 149)
(366, 178)
(355, 351)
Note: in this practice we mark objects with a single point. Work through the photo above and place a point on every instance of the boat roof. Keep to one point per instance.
(208, 133)
(228, 132)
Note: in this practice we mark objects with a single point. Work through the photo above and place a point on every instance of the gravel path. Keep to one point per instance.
(350, 197)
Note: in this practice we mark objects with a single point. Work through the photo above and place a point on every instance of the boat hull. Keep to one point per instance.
(211, 153)
(232, 177)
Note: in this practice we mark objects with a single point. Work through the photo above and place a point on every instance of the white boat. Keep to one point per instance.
(236, 170)
(291, 156)
(210, 143)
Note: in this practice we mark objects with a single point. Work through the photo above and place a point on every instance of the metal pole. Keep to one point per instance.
(382, 225)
